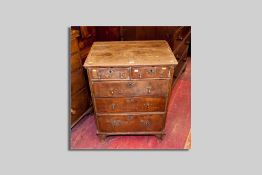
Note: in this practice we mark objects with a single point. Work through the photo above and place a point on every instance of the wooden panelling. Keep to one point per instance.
(104, 33)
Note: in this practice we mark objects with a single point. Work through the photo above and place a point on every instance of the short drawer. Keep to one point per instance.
(131, 88)
(132, 104)
(109, 73)
(130, 123)
(78, 81)
(150, 72)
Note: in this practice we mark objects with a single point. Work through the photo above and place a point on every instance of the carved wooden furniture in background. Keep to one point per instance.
(106, 33)
(80, 96)
(130, 85)
(182, 39)
(132, 33)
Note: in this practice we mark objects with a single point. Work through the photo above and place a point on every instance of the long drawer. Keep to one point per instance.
(132, 104)
(130, 123)
(130, 88)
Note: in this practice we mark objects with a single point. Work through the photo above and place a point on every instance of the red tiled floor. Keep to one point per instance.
(178, 124)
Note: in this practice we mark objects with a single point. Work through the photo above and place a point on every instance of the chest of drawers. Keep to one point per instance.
(130, 84)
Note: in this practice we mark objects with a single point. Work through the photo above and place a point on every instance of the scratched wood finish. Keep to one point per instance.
(130, 84)
(131, 104)
(130, 53)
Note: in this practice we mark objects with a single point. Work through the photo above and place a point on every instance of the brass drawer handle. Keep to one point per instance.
(109, 76)
(113, 91)
(99, 75)
(130, 84)
(147, 105)
(140, 75)
(146, 123)
(161, 74)
(130, 100)
(130, 117)
(148, 90)
(113, 106)
(122, 75)
(116, 123)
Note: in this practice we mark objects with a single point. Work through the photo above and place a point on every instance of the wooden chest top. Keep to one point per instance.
(130, 53)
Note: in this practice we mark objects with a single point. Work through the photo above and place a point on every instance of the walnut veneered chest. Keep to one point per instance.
(130, 83)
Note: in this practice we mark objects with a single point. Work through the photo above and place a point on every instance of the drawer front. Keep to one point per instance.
(79, 104)
(75, 62)
(77, 81)
(150, 72)
(130, 88)
(130, 123)
(134, 104)
(109, 73)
